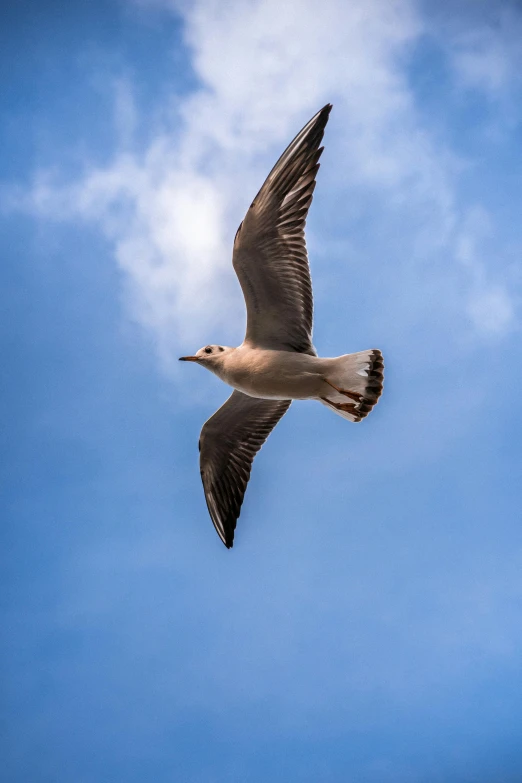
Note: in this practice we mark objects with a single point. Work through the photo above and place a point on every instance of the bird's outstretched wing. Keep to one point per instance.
(270, 257)
(229, 441)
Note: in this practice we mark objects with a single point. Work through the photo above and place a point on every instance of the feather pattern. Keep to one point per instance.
(229, 441)
(270, 257)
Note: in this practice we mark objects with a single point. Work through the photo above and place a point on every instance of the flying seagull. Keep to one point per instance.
(276, 363)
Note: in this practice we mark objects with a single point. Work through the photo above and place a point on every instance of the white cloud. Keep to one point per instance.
(485, 51)
(492, 310)
(125, 112)
(489, 304)
(264, 68)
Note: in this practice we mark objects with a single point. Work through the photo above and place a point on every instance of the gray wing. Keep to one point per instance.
(270, 257)
(229, 441)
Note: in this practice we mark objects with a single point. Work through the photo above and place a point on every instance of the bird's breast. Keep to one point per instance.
(279, 375)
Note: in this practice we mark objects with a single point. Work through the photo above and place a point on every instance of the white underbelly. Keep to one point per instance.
(277, 375)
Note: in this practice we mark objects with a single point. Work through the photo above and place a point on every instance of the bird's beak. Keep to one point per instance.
(188, 358)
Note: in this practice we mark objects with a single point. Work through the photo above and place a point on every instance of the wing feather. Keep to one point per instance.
(270, 257)
(229, 441)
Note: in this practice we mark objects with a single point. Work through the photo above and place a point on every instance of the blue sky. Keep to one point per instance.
(367, 625)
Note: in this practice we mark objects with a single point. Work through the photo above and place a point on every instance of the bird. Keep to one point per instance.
(277, 362)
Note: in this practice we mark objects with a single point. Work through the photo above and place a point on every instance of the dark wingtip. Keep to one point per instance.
(325, 111)
(320, 119)
(323, 116)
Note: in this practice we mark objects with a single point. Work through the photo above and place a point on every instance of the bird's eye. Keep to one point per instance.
(221, 349)
(208, 349)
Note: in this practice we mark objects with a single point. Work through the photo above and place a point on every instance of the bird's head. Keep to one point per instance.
(210, 355)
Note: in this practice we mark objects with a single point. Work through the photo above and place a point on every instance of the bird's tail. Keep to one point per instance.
(354, 384)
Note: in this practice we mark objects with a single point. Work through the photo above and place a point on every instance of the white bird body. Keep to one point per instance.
(274, 375)
(286, 375)
(277, 362)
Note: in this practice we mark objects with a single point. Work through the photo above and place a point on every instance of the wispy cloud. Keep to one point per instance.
(125, 112)
(171, 209)
(485, 50)
(488, 304)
